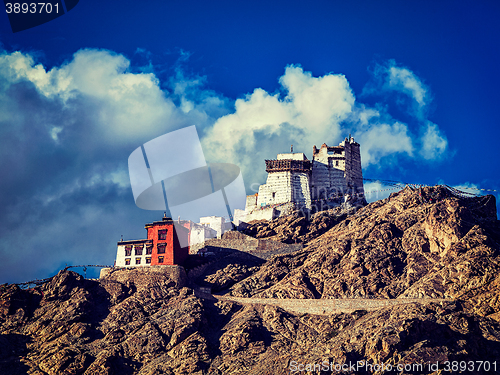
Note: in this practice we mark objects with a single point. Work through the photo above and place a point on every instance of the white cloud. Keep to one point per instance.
(467, 186)
(317, 102)
(66, 134)
(404, 80)
(434, 144)
(17, 66)
(124, 106)
(72, 128)
(309, 112)
(54, 133)
(389, 78)
(382, 139)
(375, 190)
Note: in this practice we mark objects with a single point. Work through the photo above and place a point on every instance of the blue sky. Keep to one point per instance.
(416, 83)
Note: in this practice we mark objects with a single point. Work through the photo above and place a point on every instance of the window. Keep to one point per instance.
(161, 248)
(137, 260)
(160, 259)
(148, 260)
(128, 250)
(149, 249)
(162, 234)
(274, 195)
(336, 163)
(127, 262)
(138, 249)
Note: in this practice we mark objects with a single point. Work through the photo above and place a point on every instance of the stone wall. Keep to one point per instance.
(142, 277)
(277, 189)
(301, 192)
(261, 248)
(328, 178)
(251, 202)
(329, 306)
(336, 170)
(356, 171)
(284, 187)
(268, 213)
(196, 272)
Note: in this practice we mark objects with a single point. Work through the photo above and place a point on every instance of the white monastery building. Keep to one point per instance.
(332, 178)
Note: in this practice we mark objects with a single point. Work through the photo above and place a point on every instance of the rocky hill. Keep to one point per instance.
(418, 243)
(296, 228)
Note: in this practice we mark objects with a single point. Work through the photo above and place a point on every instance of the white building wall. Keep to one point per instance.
(335, 171)
(240, 215)
(201, 233)
(121, 257)
(292, 156)
(251, 203)
(277, 189)
(217, 223)
(328, 173)
(284, 187)
(301, 193)
(268, 213)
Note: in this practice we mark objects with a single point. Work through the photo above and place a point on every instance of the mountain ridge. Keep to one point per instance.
(415, 244)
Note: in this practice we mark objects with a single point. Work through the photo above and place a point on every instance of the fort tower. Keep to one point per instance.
(332, 178)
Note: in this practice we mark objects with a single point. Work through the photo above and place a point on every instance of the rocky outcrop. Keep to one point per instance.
(418, 243)
(77, 326)
(264, 339)
(257, 247)
(71, 326)
(228, 276)
(406, 246)
(296, 228)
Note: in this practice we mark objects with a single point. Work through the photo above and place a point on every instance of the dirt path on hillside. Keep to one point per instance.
(328, 306)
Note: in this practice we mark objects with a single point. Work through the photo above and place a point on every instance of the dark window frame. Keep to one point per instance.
(138, 249)
(162, 234)
(128, 250)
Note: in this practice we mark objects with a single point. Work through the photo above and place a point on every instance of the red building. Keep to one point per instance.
(162, 247)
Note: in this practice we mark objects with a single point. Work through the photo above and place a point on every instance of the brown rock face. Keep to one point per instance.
(418, 243)
(404, 246)
(297, 229)
(77, 326)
